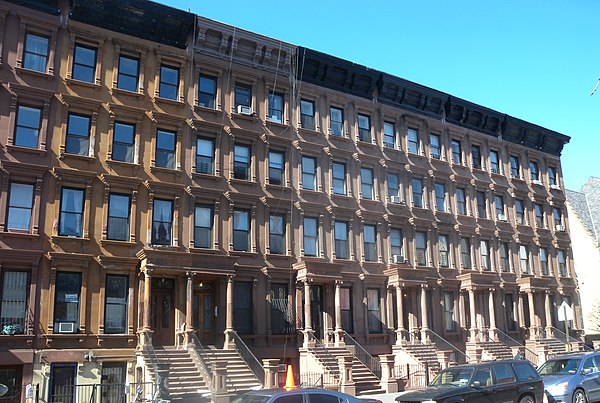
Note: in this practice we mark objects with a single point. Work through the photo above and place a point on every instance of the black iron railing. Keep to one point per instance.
(372, 363)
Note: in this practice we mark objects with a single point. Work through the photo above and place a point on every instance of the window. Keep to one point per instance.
(562, 263)
(242, 307)
(276, 168)
(539, 216)
(535, 174)
(35, 55)
(486, 261)
(338, 173)
(515, 170)
(169, 83)
(207, 91)
(78, 134)
(499, 203)
(504, 373)
(444, 250)
(307, 114)
(525, 371)
(524, 258)
(71, 212)
(552, 176)
(115, 304)
(241, 230)
(66, 302)
(366, 183)
(389, 135)
(84, 63)
(435, 146)
(241, 162)
(281, 311)
(520, 211)
(417, 192)
(242, 97)
(162, 222)
(165, 148)
(481, 205)
(456, 152)
(14, 302)
(205, 156)
(494, 162)
(309, 173)
(27, 128)
(203, 227)
(396, 239)
(276, 108)
(311, 234)
(370, 243)
(413, 141)
(277, 234)
(342, 250)
(421, 248)
(449, 319)
(393, 185)
(129, 72)
(461, 201)
(123, 141)
(557, 215)
(374, 311)
(476, 156)
(346, 306)
(119, 206)
(465, 252)
(544, 261)
(336, 121)
(504, 257)
(364, 128)
(440, 197)
(20, 206)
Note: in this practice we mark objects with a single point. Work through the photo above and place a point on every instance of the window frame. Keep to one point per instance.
(495, 162)
(161, 152)
(486, 255)
(364, 132)
(333, 124)
(129, 147)
(17, 126)
(417, 194)
(93, 67)
(244, 229)
(398, 248)
(10, 205)
(540, 216)
(544, 261)
(56, 314)
(238, 96)
(208, 229)
(204, 94)
(524, 260)
(440, 198)
(124, 305)
(389, 133)
(9, 318)
(374, 311)
(119, 84)
(26, 52)
(561, 257)
(335, 181)
(461, 201)
(520, 214)
(155, 240)
(481, 201)
(280, 236)
(200, 158)
(165, 87)
(310, 238)
(279, 116)
(421, 246)
(80, 213)
(370, 250)
(242, 164)
(457, 158)
(307, 120)
(274, 169)
(515, 166)
(341, 244)
(367, 184)
(69, 134)
(412, 137)
(504, 252)
(466, 250)
(444, 250)
(127, 235)
(309, 176)
(476, 157)
(534, 171)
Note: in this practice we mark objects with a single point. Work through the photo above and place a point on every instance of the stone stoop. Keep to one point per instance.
(185, 381)
(239, 376)
(496, 350)
(423, 354)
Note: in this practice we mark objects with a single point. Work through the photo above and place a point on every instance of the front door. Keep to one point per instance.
(316, 310)
(112, 388)
(163, 312)
(62, 379)
(204, 312)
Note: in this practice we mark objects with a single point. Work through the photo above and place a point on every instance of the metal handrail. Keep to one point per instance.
(197, 350)
(149, 350)
(335, 371)
(363, 355)
(249, 358)
(511, 342)
(437, 340)
(564, 338)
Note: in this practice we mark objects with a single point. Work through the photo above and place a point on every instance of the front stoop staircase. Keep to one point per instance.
(492, 350)
(239, 376)
(554, 346)
(366, 381)
(422, 353)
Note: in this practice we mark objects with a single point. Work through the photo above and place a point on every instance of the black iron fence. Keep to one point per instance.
(103, 393)
(414, 375)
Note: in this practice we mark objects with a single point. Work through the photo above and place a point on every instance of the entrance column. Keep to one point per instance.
(308, 331)
(473, 329)
(229, 341)
(549, 328)
(400, 308)
(424, 316)
(532, 324)
(189, 308)
(493, 334)
(339, 331)
(146, 332)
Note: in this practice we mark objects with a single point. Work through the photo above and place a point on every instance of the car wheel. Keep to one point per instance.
(527, 399)
(579, 397)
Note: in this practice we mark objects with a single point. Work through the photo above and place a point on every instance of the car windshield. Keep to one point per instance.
(562, 366)
(453, 376)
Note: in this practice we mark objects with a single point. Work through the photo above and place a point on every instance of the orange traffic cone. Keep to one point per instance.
(289, 379)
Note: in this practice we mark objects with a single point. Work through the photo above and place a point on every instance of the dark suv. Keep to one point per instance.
(484, 382)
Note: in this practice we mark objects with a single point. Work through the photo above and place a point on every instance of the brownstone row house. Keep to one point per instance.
(174, 188)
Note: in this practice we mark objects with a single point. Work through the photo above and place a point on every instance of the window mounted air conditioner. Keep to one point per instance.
(398, 259)
(555, 186)
(66, 327)
(395, 199)
(244, 110)
(536, 181)
(501, 217)
(560, 227)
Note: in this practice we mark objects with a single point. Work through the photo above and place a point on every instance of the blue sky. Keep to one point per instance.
(537, 60)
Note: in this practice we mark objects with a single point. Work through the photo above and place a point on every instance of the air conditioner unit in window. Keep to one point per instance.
(244, 110)
(560, 227)
(501, 217)
(536, 181)
(398, 259)
(555, 186)
(395, 199)
(66, 327)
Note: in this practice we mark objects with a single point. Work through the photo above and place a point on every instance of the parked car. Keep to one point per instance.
(484, 382)
(299, 395)
(572, 378)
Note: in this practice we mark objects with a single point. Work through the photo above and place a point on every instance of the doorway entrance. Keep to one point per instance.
(162, 312)
(204, 312)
